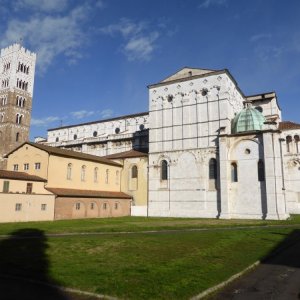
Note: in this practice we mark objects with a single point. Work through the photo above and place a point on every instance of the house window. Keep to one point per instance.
(43, 206)
(26, 167)
(96, 175)
(29, 188)
(16, 167)
(69, 172)
(164, 170)
(106, 176)
(83, 168)
(18, 207)
(212, 168)
(261, 170)
(37, 166)
(116, 205)
(234, 172)
(57, 140)
(134, 172)
(92, 206)
(77, 206)
(288, 143)
(104, 206)
(5, 187)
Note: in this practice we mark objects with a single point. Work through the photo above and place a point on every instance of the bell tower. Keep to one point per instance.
(17, 67)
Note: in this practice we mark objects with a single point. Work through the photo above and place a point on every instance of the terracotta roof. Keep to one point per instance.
(287, 125)
(20, 176)
(126, 154)
(87, 193)
(69, 153)
(102, 121)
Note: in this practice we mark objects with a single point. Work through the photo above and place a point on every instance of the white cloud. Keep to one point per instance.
(44, 122)
(41, 5)
(260, 36)
(139, 41)
(51, 35)
(82, 114)
(106, 113)
(208, 3)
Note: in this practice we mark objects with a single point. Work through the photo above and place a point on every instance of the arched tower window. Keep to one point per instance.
(288, 143)
(83, 168)
(164, 170)
(234, 172)
(212, 169)
(69, 171)
(261, 170)
(296, 137)
(19, 119)
(17, 136)
(134, 172)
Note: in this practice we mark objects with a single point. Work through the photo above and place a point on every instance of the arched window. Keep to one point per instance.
(96, 174)
(95, 133)
(134, 172)
(259, 108)
(261, 170)
(296, 137)
(106, 176)
(57, 139)
(75, 137)
(212, 169)
(117, 177)
(288, 143)
(83, 168)
(164, 170)
(234, 172)
(19, 118)
(69, 172)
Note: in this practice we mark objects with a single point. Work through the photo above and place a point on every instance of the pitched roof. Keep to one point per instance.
(102, 121)
(69, 153)
(288, 125)
(87, 193)
(20, 176)
(126, 154)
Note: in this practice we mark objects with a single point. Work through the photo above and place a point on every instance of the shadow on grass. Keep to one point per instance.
(277, 277)
(23, 263)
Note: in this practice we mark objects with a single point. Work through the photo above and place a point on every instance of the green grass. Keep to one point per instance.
(136, 224)
(166, 265)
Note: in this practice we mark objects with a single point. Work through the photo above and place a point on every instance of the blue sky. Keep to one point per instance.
(96, 57)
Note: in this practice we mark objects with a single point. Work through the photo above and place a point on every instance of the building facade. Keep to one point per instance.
(84, 185)
(17, 68)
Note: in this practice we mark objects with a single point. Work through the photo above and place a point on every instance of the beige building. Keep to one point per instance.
(23, 197)
(85, 185)
(134, 178)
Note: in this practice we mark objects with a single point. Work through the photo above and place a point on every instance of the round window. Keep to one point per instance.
(247, 151)
(117, 130)
(142, 127)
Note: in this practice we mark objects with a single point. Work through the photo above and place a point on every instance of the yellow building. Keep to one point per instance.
(23, 197)
(85, 185)
(134, 180)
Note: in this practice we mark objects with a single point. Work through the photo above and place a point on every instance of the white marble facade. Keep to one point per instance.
(198, 167)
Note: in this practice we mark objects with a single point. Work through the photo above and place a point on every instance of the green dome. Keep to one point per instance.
(249, 119)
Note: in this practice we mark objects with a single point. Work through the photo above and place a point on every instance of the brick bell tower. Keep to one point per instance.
(17, 67)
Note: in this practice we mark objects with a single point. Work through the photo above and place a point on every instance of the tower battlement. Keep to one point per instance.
(15, 48)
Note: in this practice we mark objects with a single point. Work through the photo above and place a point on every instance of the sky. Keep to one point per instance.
(95, 58)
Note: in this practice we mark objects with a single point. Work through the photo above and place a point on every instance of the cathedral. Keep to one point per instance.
(204, 149)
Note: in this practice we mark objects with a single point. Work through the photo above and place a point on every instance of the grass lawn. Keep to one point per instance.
(135, 224)
(164, 265)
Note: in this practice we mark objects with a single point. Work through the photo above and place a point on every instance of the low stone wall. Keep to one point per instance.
(79, 208)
